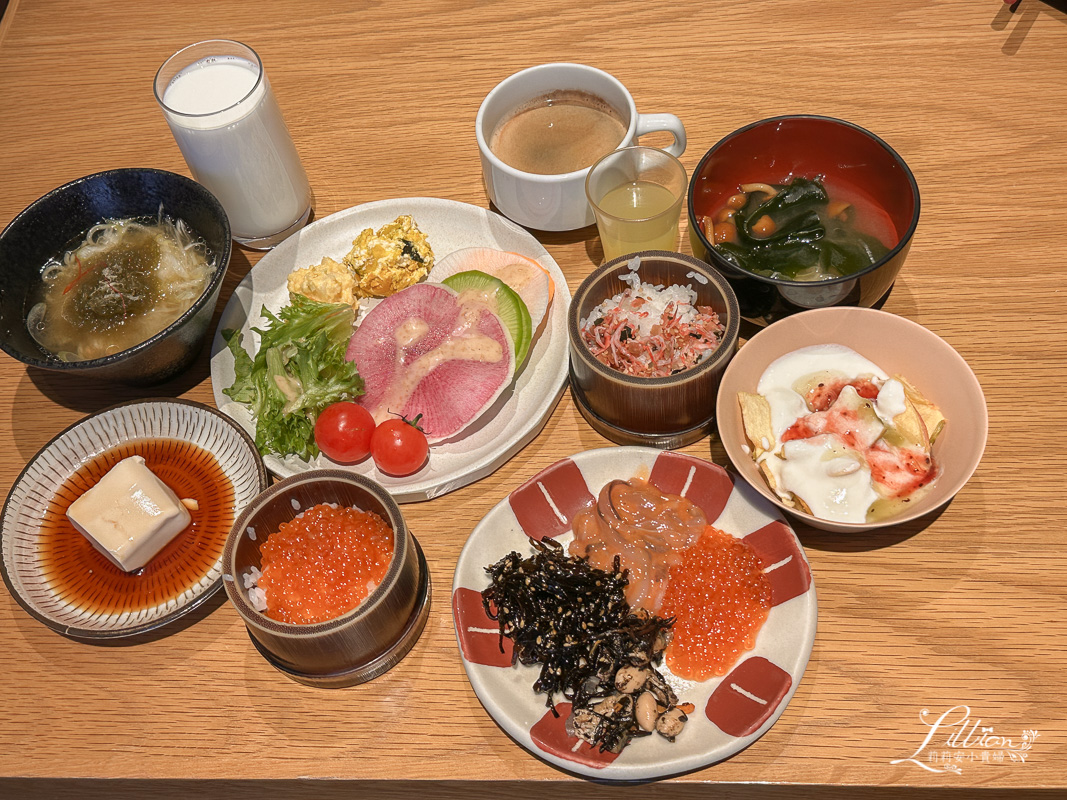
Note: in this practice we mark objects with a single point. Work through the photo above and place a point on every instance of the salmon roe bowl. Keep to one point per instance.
(331, 585)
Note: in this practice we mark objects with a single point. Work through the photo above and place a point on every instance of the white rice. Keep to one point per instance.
(650, 312)
(256, 596)
(251, 578)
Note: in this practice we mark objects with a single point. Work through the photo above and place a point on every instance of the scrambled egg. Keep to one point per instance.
(391, 259)
(380, 264)
(327, 282)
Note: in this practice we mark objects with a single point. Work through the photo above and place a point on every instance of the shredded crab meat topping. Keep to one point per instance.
(629, 334)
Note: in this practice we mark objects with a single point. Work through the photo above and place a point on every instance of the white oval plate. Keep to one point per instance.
(732, 711)
(518, 414)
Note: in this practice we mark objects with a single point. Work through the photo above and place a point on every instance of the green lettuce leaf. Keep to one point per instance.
(299, 369)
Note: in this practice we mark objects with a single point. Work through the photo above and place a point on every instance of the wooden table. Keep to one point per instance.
(963, 610)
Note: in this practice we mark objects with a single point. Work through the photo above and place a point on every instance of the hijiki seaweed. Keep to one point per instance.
(573, 620)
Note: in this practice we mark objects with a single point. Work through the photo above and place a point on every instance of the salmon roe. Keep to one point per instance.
(324, 563)
(720, 599)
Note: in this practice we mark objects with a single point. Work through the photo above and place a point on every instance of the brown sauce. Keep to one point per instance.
(82, 576)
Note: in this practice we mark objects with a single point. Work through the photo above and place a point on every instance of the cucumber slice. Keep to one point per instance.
(503, 301)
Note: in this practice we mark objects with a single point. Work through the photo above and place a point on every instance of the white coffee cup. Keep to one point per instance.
(556, 202)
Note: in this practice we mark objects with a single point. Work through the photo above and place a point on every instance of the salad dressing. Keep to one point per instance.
(464, 342)
(411, 332)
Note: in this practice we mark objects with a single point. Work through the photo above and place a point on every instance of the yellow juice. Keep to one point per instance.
(638, 216)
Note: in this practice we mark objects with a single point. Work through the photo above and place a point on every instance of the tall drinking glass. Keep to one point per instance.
(218, 102)
(636, 194)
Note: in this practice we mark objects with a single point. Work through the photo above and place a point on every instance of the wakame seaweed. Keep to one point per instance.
(409, 250)
(805, 237)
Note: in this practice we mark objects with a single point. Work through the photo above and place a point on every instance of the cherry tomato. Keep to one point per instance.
(343, 432)
(399, 446)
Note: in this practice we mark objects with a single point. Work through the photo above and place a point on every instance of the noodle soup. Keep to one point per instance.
(124, 283)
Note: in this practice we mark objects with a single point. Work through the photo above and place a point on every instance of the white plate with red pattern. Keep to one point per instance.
(732, 711)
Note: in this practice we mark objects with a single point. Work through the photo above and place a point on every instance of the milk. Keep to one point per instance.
(230, 129)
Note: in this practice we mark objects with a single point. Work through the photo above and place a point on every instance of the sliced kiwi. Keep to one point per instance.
(504, 302)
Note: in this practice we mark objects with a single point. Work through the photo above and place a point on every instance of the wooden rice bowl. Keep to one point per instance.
(666, 412)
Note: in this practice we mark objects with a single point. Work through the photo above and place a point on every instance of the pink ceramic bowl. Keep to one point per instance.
(898, 346)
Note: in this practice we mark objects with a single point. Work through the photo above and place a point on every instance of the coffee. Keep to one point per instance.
(558, 132)
(535, 172)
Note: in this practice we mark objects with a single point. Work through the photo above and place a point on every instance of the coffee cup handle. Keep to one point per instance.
(652, 123)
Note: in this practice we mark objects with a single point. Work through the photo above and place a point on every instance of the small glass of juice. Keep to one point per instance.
(636, 195)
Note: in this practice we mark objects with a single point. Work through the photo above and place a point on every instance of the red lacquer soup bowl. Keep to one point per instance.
(855, 166)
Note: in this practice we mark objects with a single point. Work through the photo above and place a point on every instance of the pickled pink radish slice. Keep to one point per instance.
(523, 275)
(422, 351)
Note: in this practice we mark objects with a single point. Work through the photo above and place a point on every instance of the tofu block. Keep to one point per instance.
(130, 515)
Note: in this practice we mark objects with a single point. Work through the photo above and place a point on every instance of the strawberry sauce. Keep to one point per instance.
(900, 471)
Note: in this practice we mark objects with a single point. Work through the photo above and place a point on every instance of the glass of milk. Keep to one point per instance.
(218, 102)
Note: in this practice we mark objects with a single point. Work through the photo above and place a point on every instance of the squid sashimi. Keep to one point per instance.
(423, 351)
(525, 276)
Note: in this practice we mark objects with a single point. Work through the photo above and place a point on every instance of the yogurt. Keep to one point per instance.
(834, 458)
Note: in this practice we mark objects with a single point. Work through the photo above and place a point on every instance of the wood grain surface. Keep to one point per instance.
(964, 609)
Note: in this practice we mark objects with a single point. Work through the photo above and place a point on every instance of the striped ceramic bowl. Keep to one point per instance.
(57, 575)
